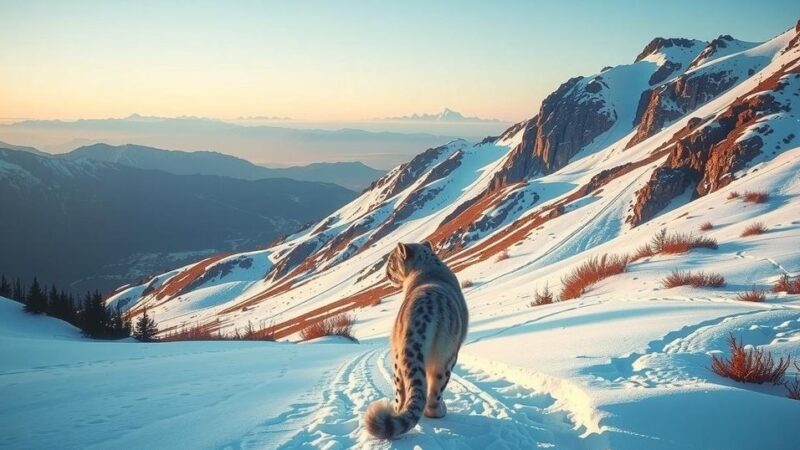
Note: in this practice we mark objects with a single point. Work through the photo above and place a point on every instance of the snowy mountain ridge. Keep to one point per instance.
(625, 130)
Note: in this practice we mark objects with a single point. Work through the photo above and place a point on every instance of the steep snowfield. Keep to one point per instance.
(625, 366)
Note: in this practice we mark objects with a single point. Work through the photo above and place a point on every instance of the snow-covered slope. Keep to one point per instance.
(580, 173)
(608, 160)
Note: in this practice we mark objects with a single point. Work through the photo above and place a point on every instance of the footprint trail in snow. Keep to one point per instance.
(484, 411)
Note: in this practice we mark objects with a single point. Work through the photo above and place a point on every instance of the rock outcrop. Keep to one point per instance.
(707, 158)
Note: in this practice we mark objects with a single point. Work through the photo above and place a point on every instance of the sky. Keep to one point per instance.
(333, 60)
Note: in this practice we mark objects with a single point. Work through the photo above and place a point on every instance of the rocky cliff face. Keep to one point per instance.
(660, 43)
(708, 157)
(570, 118)
(679, 88)
(662, 105)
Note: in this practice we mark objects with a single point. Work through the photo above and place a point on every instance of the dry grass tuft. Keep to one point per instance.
(705, 226)
(204, 333)
(793, 387)
(749, 366)
(338, 325)
(754, 229)
(788, 285)
(756, 197)
(753, 295)
(542, 298)
(591, 272)
(732, 195)
(663, 243)
(699, 279)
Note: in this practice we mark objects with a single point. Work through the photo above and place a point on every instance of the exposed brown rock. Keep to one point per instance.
(664, 104)
(706, 158)
(522, 162)
(568, 121)
(663, 72)
(711, 49)
(659, 43)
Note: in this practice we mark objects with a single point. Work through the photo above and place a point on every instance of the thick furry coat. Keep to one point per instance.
(428, 332)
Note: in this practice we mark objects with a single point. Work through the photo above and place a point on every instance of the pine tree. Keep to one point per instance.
(146, 329)
(120, 326)
(52, 301)
(94, 318)
(5, 287)
(18, 293)
(62, 306)
(36, 301)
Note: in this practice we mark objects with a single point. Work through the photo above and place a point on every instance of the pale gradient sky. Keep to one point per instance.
(326, 60)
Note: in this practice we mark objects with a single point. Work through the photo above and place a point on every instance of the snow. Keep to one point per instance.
(625, 366)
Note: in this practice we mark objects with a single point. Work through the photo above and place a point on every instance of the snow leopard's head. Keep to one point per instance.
(408, 258)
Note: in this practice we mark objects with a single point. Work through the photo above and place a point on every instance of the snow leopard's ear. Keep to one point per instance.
(403, 250)
(429, 245)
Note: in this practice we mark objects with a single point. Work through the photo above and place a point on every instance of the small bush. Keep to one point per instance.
(591, 272)
(786, 284)
(705, 226)
(753, 295)
(754, 229)
(204, 333)
(338, 325)
(732, 195)
(749, 366)
(793, 387)
(467, 284)
(663, 243)
(756, 197)
(502, 256)
(700, 279)
(542, 298)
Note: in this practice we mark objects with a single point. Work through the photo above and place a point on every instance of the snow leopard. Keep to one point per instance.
(429, 329)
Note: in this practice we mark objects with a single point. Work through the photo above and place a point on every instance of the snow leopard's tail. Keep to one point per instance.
(385, 421)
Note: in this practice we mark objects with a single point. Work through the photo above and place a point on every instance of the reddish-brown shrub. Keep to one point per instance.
(699, 279)
(705, 226)
(542, 298)
(754, 229)
(786, 284)
(732, 195)
(794, 386)
(756, 197)
(749, 366)
(204, 333)
(663, 243)
(591, 272)
(467, 284)
(753, 295)
(338, 325)
(502, 256)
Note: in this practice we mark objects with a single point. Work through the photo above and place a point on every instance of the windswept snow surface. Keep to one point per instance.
(625, 366)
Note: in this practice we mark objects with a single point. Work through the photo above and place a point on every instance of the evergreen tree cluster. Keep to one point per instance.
(146, 329)
(91, 315)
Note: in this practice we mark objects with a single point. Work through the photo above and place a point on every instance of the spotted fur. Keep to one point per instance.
(428, 332)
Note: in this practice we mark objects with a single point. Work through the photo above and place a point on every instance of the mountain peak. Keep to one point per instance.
(661, 43)
(446, 115)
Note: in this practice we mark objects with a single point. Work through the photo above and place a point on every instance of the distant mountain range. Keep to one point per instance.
(22, 148)
(88, 224)
(446, 115)
(352, 175)
(262, 144)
